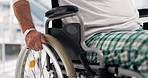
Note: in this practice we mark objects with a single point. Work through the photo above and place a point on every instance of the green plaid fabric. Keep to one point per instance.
(128, 49)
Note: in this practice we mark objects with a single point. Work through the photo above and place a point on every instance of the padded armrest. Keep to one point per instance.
(62, 11)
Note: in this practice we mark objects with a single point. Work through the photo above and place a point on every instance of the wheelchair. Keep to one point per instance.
(64, 54)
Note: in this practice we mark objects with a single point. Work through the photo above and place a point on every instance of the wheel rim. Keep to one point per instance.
(34, 64)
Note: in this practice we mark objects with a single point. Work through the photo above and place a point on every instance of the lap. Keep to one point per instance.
(119, 40)
(128, 49)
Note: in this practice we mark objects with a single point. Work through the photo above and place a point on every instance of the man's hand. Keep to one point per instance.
(34, 40)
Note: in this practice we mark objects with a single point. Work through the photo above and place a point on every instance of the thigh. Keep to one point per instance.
(120, 47)
(125, 40)
(127, 49)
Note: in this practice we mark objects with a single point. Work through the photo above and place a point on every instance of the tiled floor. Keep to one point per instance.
(7, 69)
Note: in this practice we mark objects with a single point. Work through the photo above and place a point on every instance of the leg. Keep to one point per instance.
(127, 49)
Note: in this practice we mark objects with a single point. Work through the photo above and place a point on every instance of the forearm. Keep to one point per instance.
(23, 14)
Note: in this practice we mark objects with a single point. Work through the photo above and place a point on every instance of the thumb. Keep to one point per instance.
(43, 40)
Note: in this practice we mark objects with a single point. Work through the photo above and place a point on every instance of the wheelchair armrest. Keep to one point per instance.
(61, 12)
(143, 12)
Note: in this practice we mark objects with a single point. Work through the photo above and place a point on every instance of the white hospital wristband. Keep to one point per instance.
(27, 31)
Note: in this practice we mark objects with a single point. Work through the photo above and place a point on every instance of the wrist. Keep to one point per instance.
(28, 31)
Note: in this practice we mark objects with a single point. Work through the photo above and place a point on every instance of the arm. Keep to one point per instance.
(34, 39)
(23, 14)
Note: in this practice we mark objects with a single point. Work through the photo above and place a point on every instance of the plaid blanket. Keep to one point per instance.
(128, 49)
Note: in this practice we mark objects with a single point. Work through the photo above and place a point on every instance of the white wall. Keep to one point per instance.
(140, 4)
(47, 3)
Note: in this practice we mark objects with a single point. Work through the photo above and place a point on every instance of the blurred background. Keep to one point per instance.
(11, 38)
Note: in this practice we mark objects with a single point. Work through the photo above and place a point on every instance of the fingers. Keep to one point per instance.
(43, 41)
(34, 44)
(34, 41)
(38, 46)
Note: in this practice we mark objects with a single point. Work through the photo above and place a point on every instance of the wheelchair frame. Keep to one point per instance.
(101, 67)
(71, 72)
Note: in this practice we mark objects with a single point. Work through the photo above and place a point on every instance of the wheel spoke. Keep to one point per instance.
(34, 64)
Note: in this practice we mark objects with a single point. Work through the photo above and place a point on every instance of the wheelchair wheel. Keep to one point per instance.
(33, 64)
